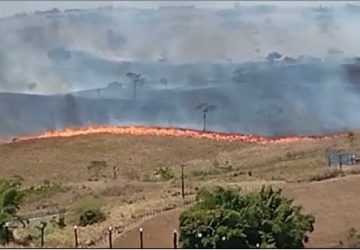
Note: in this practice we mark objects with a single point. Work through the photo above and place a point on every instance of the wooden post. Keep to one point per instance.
(141, 238)
(76, 237)
(110, 237)
(340, 162)
(43, 225)
(182, 182)
(6, 231)
(175, 239)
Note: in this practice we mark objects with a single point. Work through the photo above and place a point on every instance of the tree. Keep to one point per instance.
(273, 56)
(205, 108)
(136, 79)
(225, 219)
(10, 199)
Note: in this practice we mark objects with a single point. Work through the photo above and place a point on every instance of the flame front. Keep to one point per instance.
(173, 132)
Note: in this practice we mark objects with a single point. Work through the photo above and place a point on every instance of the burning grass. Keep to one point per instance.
(174, 132)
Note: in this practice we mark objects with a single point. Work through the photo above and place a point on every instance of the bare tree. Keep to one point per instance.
(136, 79)
(205, 108)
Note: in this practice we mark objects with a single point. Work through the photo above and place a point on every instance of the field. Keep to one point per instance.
(78, 171)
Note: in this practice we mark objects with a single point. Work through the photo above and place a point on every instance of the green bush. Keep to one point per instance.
(10, 199)
(91, 216)
(225, 219)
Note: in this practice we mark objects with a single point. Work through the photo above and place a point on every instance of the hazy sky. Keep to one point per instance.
(9, 8)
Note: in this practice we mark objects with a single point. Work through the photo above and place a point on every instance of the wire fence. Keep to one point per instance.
(141, 233)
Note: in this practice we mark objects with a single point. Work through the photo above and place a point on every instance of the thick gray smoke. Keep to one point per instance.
(79, 59)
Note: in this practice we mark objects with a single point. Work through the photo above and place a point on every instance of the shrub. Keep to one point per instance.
(224, 219)
(91, 216)
(81, 206)
(10, 199)
(164, 173)
(210, 172)
(324, 175)
(352, 239)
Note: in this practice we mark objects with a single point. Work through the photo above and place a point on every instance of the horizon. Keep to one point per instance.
(11, 8)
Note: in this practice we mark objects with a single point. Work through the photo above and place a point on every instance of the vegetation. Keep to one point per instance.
(226, 219)
(87, 211)
(10, 199)
(352, 239)
(91, 216)
(164, 173)
(46, 189)
(205, 108)
(327, 174)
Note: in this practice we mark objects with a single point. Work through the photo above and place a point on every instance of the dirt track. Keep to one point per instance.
(158, 232)
(335, 204)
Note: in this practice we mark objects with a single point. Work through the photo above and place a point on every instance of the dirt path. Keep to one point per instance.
(158, 232)
(335, 204)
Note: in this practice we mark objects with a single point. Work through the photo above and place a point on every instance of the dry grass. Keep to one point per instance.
(136, 192)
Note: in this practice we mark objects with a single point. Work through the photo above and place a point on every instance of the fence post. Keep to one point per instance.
(6, 231)
(76, 237)
(175, 239)
(43, 225)
(110, 237)
(340, 162)
(141, 237)
(182, 182)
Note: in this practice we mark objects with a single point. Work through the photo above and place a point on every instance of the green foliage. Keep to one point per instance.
(91, 216)
(10, 199)
(225, 219)
(81, 206)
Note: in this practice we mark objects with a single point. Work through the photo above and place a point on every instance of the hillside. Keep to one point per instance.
(69, 163)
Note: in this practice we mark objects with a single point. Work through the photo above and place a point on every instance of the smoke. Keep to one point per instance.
(198, 52)
(179, 34)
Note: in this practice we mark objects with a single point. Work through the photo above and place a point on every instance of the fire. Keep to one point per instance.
(171, 131)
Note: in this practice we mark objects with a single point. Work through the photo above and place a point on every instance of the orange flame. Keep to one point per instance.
(170, 131)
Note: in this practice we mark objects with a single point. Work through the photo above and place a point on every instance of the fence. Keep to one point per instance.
(110, 239)
(340, 159)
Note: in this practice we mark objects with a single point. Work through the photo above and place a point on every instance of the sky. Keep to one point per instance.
(9, 8)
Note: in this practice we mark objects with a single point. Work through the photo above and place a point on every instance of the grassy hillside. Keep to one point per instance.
(64, 173)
